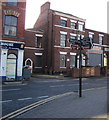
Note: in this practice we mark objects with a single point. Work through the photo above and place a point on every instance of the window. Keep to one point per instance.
(73, 25)
(72, 61)
(80, 37)
(91, 35)
(12, 2)
(83, 60)
(38, 42)
(38, 60)
(81, 27)
(10, 26)
(101, 39)
(73, 36)
(63, 23)
(62, 60)
(63, 38)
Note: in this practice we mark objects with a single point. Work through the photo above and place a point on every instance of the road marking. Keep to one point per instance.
(31, 106)
(10, 90)
(25, 98)
(93, 89)
(5, 101)
(67, 85)
(43, 97)
(21, 99)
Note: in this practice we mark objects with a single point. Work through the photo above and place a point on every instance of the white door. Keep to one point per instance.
(11, 67)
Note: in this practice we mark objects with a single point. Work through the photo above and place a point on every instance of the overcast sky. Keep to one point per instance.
(94, 11)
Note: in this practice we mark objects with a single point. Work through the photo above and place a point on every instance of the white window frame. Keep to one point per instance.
(63, 53)
(38, 54)
(101, 35)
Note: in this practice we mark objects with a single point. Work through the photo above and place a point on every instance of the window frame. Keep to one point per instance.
(41, 63)
(10, 25)
(80, 27)
(74, 64)
(63, 23)
(63, 65)
(101, 41)
(63, 40)
(91, 37)
(73, 25)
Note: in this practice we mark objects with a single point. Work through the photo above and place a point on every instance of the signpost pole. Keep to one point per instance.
(80, 69)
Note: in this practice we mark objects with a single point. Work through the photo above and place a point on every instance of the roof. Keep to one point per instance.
(35, 30)
(69, 15)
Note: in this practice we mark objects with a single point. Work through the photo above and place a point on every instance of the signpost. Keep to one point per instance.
(82, 44)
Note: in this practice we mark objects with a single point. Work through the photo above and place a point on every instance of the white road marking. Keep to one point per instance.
(10, 90)
(25, 98)
(21, 99)
(66, 85)
(5, 101)
(43, 96)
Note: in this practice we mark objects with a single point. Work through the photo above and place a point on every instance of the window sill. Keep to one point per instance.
(10, 36)
(12, 5)
(38, 67)
(63, 67)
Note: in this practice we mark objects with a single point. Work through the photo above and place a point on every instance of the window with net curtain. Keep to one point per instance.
(10, 25)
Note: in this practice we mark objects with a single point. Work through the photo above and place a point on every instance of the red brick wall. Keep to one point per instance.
(29, 39)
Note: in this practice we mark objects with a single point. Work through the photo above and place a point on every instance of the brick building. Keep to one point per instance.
(12, 27)
(59, 54)
(34, 50)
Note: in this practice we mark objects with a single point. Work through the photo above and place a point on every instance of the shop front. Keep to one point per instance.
(11, 60)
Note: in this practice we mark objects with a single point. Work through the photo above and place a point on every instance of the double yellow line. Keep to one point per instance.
(29, 107)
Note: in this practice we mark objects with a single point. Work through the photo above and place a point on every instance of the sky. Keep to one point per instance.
(94, 11)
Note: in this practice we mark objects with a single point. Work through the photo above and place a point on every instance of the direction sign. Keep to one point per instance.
(85, 43)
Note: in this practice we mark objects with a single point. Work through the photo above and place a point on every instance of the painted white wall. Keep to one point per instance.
(20, 62)
(3, 62)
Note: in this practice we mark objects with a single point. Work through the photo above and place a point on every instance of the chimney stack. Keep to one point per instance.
(45, 6)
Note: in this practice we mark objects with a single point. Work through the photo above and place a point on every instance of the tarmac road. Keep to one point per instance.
(20, 95)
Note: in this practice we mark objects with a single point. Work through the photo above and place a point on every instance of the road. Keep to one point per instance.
(17, 96)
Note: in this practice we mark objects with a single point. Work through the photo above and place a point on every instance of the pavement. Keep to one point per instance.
(92, 104)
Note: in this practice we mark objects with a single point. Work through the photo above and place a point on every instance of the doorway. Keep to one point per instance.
(29, 63)
(11, 67)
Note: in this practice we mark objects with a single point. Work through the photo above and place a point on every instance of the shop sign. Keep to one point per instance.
(9, 45)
